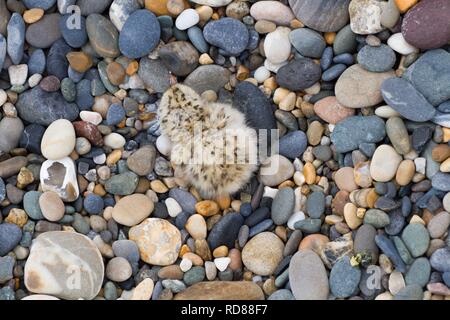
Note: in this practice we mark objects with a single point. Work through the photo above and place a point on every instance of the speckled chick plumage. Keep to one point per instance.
(228, 145)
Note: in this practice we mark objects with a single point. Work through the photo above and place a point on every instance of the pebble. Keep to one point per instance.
(18, 74)
(359, 88)
(441, 181)
(51, 206)
(365, 16)
(416, 238)
(398, 43)
(60, 177)
(58, 140)
(354, 131)
(142, 161)
(228, 34)
(6, 268)
(377, 59)
(431, 64)
(208, 77)
(424, 25)
(293, 144)
(276, 170)
(315, 204)
(188, 18)
(225, 231)
(419, 272)
(273, 11)
(158, 240)
(344, 278)
(45, 32)
(299, 74)
(11, 130)
(143, 290)
(16, 38)
(31, 107)
(93, 204)
(103, 35)
(308, 43)
(222, 290)
(118, 269)
(377, 218)
(180, 57)
(277, 46)
(263, 253)
(330, 110)
(440, 261)
(384, 164)
(321, 15)
(438, 225)
(406, 100)
(411, 292)
(307, 276)
(283, 206)
(345, 41)
(122, 184)
(52, 254)
(154, 74)
(132, 210)
(142, 25)
(10, 235)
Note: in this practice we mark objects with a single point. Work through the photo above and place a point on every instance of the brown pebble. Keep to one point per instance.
(33, 15)
(440, 152)
(88, 131)
(79, 61)
(236, 260)
(207, 208)
(116, 73)
(170, 272)
(52, 206)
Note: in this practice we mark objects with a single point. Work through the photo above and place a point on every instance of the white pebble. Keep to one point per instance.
(325, 141)
(298, 216)
(164, 145)
(277, 46)
(3, 97)
(188, 18)
(173, 207)
(299, 178)
(262, 74)
(270, 192)
(100, 159)
(34, 80)
(18, 74)
(398, 43)
(185, 265)
(386, 112)
(421, 164)
(222, 263)
(92, 117)
(114, 141)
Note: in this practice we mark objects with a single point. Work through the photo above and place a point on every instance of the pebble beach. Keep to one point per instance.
(97, 103)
